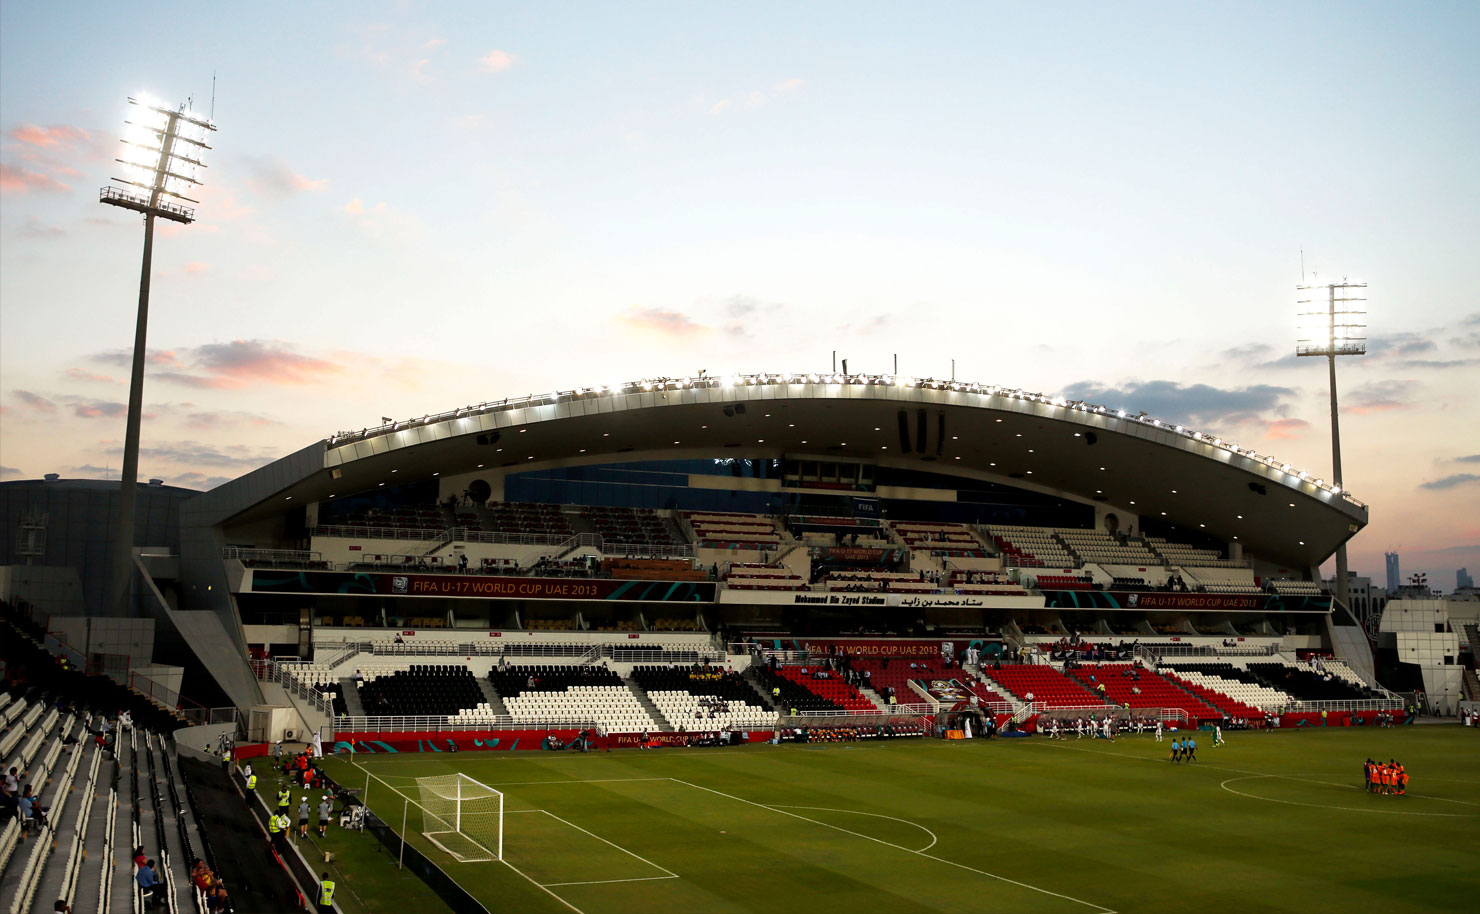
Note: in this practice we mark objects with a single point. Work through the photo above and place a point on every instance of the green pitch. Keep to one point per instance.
(1271, 822)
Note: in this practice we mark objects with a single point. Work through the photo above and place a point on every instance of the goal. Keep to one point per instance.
(462, 817)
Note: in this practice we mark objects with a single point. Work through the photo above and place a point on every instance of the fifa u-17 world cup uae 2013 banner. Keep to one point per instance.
(474, 586)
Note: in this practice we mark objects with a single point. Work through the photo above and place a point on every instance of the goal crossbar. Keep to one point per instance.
(462, 816)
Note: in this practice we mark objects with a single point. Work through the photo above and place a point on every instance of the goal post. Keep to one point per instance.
(462, 816)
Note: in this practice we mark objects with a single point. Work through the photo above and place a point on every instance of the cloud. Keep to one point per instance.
(1381, 396)
(229, 366)
(1284, 429)
(1468, 458)
(432, 44)
(240, 363)
(37, 402)
(15, 180)
(87, 408)
(755, 98)
(1451, 482)
(380, 221)
(10, 472)
(193, 480)
(659, 321)
(124, 358)
(1192, 404)
(78, 374)
(223, 419)
(270, 176)
(88, 469)
(195, 454)
(470, 121)
(35, 228)
(196, 266)
(1399, 344)
(57, 135)
(497, 61)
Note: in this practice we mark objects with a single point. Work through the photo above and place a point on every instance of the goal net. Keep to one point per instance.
(462, 817)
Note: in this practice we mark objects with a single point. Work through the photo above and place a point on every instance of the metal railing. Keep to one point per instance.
(394, 723)
(1205, 650)
(282, 672)
(285, 556)
(1358, 704)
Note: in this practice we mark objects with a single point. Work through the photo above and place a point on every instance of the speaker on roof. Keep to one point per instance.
(488, 438)
(739, 409)
(1091, 439)
(920, 430)
(904, 432)
(940, 433)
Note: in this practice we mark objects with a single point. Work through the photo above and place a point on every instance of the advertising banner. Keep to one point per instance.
(901, 600)
(1168, 600)
(469, 586)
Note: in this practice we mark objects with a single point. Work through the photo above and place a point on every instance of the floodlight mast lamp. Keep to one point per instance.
(1338, 330)
(160, 160)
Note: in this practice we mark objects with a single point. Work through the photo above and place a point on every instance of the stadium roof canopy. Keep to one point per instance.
(1133, 464)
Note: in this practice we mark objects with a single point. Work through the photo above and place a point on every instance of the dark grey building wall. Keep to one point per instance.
(80, 514)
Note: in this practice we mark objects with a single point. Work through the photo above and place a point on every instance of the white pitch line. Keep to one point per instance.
(569, 781)
(1261, 774)
(550, 885)
(1389, 812)
(1088, 904)
(612, 843)
(877, 815)
(501, 860)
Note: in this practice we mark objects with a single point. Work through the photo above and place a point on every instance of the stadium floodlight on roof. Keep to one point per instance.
(159, 165)
(1336, 329)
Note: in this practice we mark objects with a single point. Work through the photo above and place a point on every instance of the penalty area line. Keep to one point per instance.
(963, 866)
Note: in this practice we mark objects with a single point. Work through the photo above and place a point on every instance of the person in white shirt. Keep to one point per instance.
(1158, 731)
(1079, 727)
(1217, 735)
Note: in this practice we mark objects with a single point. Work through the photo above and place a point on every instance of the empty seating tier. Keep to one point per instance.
(578, 693)
(429, 690)
(1031, 547)
(1045, 684)
(703, 698)
(723, 530)
(1126, 684)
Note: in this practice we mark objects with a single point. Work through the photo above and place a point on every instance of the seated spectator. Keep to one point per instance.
(31, 809)
(149, 885)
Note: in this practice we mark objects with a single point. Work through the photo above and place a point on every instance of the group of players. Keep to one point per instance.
(1391, 778)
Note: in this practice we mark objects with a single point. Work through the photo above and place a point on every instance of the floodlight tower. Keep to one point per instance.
(1336, 329)
(161, 158)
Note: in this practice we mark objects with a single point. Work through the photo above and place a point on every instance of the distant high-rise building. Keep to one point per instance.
(1394, 576)
(1462, 579)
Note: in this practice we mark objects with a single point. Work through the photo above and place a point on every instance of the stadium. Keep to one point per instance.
(747, 642)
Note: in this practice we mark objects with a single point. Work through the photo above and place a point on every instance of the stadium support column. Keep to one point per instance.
(1336, 329)
(1341, 581)
(160, 160)
(119, 591)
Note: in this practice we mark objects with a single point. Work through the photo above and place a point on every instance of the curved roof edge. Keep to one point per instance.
(341, 445)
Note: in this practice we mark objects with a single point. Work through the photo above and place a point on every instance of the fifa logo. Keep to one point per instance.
(398, 583)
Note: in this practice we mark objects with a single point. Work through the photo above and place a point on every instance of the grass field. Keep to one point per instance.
(1271, 822)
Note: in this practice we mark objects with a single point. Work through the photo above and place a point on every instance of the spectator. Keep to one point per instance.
(148, 884)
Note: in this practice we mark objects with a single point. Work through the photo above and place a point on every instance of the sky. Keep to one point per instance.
(410, 207)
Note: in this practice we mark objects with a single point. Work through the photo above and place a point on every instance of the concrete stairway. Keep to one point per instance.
(492, 697)
(648, 706)
(352, 704)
